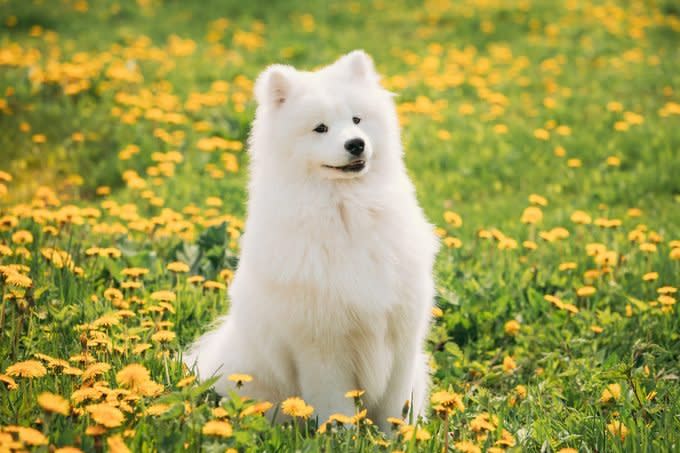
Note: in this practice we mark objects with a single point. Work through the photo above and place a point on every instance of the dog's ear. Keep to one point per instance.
(358, 64)
(274, 84)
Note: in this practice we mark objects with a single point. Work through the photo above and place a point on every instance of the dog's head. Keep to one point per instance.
(333, 123)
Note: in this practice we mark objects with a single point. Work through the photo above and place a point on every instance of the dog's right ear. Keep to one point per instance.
(274, 84)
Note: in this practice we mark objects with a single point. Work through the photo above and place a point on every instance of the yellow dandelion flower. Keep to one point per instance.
(178, 267)
(506, 440)
(409, 432)
(165, 296)
(68, 449)
(149, 388)
(666, 300)
(591, 274)
(507, 244)
(596, 329)
(483, 422)
(509, 364)
(648, 247)
(28, 369)
(445, 401)
(227, 275)
(211, 284)
(614, 106)
(361, 415)
(39, 138)
(453, 243)
(484, 234)
(106, 415)
(559, 151)
(113, 294)
(613, 161)
(500, 129)
(186, 381)
(240, 378)
(30, 436)
(529, 245)
(51, 402)
(667, 290)
(96, 430)
(17, 279)
(9, 382)
(453, 219)
(466, 446)
(541, 134)
(130, 284)
(512, 327)
(135, 272)
(538, 200)
(157, 409)
(611, 392)
(96, 369)
(395, 421)
(586, 291)
(340, 418)
(116, 444)
(571, 308)
(138, 349)
(220, 428)
(443, 135)
(605, 259)
(164, 336)
(22, 237)
(650, 276)
(103, 190)
(213, 202)
(531, 215)
(133, 376)
(617, 429)
(574, 163)
(296, 407)
(257, 408)
(220, 412)
(354, 393)
(581, 217)
(196, 279)
(621, 126)
(567, 266)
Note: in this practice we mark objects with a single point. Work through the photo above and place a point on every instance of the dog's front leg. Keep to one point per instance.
(324, 380)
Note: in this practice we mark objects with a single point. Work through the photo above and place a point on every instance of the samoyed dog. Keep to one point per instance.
(334, 288)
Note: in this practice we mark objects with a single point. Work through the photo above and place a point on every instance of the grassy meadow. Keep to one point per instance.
(544, 141)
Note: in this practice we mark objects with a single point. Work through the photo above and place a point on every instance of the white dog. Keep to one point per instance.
(334, 287)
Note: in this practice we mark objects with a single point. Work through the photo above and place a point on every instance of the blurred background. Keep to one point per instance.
(488, 91)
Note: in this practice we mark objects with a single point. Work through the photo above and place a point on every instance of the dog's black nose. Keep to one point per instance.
(355, 146)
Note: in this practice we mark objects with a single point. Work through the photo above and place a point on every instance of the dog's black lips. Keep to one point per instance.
(354, 166)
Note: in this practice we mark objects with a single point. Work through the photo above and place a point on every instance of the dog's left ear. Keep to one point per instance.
(274, 84)
(358, 64)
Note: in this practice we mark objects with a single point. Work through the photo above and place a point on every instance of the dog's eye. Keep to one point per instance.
(356, 119)
(321, 128)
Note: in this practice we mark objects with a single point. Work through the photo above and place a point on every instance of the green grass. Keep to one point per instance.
(488, 91)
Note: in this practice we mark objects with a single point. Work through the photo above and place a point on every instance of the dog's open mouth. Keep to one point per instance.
(354, 166)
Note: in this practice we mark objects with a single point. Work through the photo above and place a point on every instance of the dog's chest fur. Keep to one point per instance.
(345, 281)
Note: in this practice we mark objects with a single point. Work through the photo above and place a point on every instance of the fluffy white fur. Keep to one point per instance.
(334, 287)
